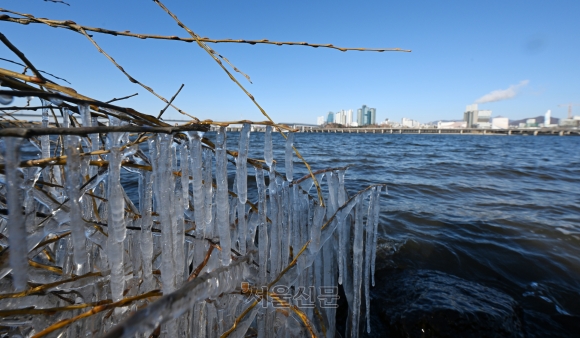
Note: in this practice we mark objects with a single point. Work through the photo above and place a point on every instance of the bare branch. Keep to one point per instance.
(57, 2)
(132, 79)
(42, 71)
(122, 98)
(22, 57)
(168, 103)
(68, 24)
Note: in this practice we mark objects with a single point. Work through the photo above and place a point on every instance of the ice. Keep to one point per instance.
(6, 99)
(222, 201)
(73, 176)
(242, 227)
(208, 191)
(137, 244)
(16, 230)
(173, 305)
(263, 227)
(357, 250)
(273, 212)
(164, 200)
(268, 152)
(376, 209)
(197, 180)
(146, 243)
(369, 229)
(242, 165)
(289, 155)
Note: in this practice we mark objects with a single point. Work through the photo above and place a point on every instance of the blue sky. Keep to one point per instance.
(461, 51)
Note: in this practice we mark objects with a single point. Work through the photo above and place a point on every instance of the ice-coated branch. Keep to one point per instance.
(178, 302)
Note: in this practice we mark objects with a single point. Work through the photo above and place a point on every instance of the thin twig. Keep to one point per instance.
(71, 25)
(95, 310)
(132, 79)
(196, 272)
(170, 101)
(22, 57)
(42, 71)
(58, 2)
(122, 98)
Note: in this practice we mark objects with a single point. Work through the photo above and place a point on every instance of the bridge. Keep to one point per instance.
(453, 131)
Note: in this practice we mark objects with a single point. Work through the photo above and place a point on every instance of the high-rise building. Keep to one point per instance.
(409, 123)
(360, 115)
(330, 117)
(366, 116)
(320, 120)
(348, 117)
(339, 117)
(475, 118)
(548, 118)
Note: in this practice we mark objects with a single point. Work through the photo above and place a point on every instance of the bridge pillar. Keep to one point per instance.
(439, 131)
(461, 132)
(561, 133)
(509, 132)
(535, 133)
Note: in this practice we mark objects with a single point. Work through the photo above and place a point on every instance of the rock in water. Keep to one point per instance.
(425, 303)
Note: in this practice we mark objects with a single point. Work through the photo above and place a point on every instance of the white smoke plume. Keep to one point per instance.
(502, 94)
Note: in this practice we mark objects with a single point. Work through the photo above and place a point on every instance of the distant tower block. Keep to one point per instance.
(548, 118)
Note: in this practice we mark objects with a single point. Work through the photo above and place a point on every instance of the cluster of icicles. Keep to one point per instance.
(71, 236)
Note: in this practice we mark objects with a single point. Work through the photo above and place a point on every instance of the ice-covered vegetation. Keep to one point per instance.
(192, 254)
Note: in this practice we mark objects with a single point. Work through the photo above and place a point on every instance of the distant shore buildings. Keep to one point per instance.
(365, 116)
(473, 117)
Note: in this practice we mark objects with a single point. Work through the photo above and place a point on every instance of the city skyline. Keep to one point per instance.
(521, 66)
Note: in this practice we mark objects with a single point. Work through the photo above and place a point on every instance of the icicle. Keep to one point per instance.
(263, 227)
(116, 220)
(367, 259)
(173, 305)
(164, 200)
(178, 228)
(268, 152)
(242, 227)
(375, 229)
(316, 228)
(295, 224)
(289, 156)
(44, 139)
(286, 223)
(73, 176)
(16, 229)
(222, 202)
(145, 206)
(275, 225)
(184, 163)
(197, 181)
(341, 190)
(208, 188)
(357, 264)
(85, 114)
(241, 164)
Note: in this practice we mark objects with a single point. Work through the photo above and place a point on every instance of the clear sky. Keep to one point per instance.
(461, 51)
